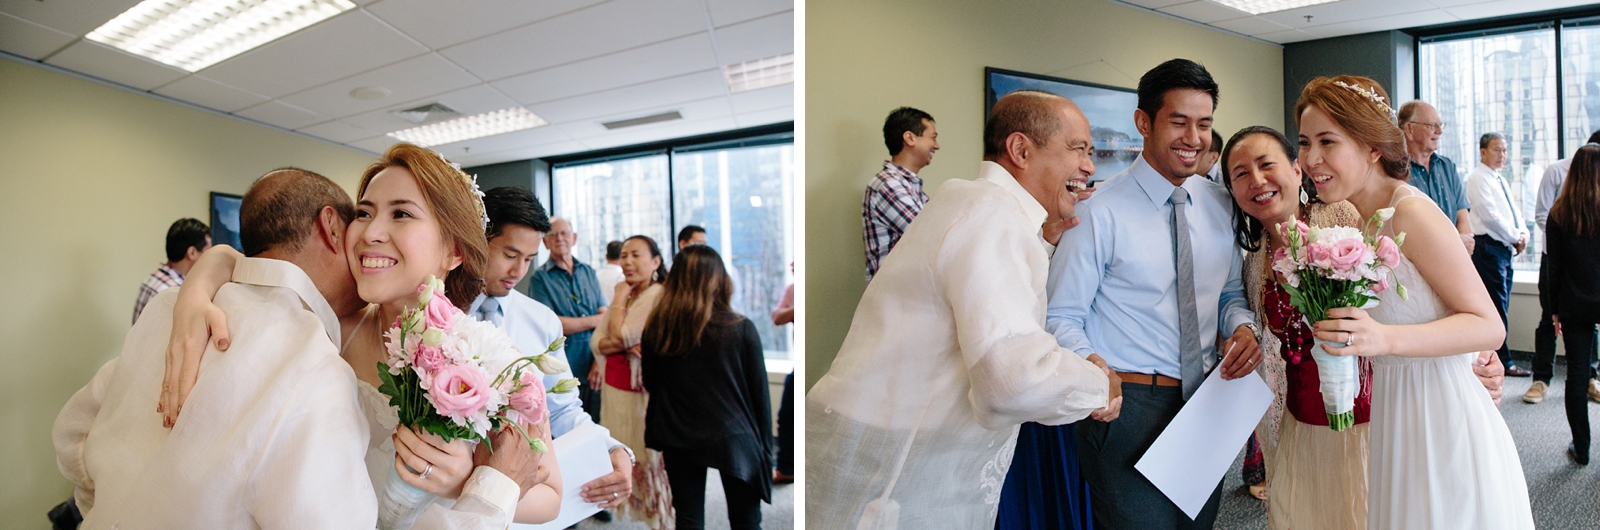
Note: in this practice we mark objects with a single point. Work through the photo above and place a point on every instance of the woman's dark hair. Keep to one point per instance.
(697, 289)
(1172, 75)
(1246, 229)
(655, 252)
(1577, 209)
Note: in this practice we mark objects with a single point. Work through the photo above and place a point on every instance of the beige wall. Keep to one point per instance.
(90, 178)
(864, 58)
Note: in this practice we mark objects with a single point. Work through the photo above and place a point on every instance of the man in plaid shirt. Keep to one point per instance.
(895, 194)
(186, 239)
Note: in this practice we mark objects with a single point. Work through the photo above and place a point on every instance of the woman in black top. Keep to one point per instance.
(703, 367)
(1569, 283)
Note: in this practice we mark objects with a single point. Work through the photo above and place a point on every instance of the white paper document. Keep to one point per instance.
(1189, 458)
(582, 455)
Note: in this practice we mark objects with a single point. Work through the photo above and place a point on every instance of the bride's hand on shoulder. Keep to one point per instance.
(196, 321)
(451, 461)
(1352, 326)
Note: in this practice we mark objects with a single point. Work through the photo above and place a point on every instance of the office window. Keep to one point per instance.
(741, 191)
(1497, 82)
(613, 200)
(744, 198)
(1580, 84)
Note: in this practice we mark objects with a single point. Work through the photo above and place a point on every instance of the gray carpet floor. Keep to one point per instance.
(776, 516)
(1564, 495)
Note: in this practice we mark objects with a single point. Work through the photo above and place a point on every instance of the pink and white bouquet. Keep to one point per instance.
(458, 377)
(1330, 267)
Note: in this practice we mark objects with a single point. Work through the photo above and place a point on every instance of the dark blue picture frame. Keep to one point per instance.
(225, 219)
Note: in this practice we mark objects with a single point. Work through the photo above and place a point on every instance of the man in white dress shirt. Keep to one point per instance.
(1150, 280)
(517, 224)
(272, 435)
(914, 424)
(1498, 230)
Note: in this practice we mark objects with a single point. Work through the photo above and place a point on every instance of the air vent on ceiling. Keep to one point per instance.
(429, 112)
(654, 118)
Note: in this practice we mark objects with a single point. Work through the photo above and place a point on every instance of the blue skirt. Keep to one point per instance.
(1045, 488)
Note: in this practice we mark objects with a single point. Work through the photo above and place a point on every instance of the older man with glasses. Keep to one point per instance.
(571, 289)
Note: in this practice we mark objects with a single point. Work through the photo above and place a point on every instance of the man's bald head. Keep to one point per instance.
(282, 207)
(1034, 113)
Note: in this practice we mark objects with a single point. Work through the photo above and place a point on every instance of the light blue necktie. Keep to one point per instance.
(490, 311)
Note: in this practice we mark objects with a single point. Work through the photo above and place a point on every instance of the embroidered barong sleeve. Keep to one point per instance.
(71, 429)
(1017, 371)
(311, 472)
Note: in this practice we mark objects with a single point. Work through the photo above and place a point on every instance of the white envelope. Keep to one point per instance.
(1189, 458)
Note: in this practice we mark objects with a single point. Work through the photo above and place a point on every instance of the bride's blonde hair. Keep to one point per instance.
(455, 203)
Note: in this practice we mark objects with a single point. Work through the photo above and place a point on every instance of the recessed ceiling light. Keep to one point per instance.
(760, 73)
(369, 93)
(1257, 7)
(194, 34)
(475, 126)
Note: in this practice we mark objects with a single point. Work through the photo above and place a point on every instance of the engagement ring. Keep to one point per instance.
(425, 472)
(1351, 339)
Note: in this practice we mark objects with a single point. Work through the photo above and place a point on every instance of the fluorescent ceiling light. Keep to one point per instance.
(194, 34)
(1256, 7)
(760, 73)
(475, 126)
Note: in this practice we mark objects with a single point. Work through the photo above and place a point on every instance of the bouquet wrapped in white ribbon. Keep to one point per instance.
(1337, 266)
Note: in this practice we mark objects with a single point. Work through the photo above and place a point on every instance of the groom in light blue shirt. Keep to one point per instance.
(1120, 287)
(517, 223)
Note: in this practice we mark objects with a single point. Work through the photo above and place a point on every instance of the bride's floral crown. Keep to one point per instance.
(1373, 96)
(483, 212)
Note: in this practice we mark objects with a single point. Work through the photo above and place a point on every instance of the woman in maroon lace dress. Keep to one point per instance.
(1317, 478)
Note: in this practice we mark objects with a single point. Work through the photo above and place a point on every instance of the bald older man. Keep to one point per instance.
(947, 355)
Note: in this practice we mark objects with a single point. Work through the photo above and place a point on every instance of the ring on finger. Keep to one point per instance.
(1350, 340)
(425, 472)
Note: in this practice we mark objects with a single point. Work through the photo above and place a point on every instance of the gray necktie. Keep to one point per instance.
(490, 311)
(1189, 356)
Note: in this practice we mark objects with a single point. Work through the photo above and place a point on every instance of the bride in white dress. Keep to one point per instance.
(416, 216)
(1441, 455)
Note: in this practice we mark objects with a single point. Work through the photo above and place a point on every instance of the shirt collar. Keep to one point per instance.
(892, 167)
(1156, 187)
(169, 271)
(1432, 159)
(1491, 170)
(993, 172)
(278, 273)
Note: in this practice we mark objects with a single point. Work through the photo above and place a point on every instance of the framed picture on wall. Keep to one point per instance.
(1110, 109)
(225, 219)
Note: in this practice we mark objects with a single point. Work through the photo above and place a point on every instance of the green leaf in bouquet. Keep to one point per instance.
(389, 387)
(445, 428)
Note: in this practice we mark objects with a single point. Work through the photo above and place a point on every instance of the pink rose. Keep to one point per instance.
(459, 390)
(429, 358)
(1347, 253)
(1305, 229)
(529, 400)
(440, 314)
(1319, 254)
(1383, 285)
(1388, 253)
